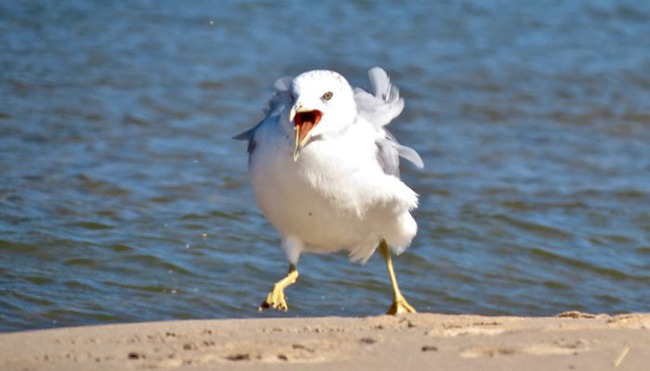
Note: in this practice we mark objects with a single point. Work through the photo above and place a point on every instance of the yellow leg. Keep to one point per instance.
(400, 305)
(275, 299)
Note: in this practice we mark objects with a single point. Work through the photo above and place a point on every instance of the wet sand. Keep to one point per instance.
(568, 341)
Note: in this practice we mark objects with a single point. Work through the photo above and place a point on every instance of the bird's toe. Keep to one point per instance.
(400, 306)
(275, 300)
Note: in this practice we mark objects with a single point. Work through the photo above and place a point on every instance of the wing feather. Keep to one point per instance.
(379, 107)
(273, 108)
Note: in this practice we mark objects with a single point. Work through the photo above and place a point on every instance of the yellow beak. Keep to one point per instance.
(296, 128)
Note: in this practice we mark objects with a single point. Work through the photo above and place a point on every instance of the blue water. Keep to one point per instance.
(123, 198)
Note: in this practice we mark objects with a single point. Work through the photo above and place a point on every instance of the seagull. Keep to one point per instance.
(325, 173)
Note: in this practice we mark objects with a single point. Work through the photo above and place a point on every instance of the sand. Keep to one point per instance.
(570, 341)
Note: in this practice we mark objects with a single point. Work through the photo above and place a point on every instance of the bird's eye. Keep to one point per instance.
(327, 96)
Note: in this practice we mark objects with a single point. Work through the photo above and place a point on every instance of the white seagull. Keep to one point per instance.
(325, 172)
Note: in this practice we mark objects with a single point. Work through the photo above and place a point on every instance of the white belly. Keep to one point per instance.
(297, 207)
(331, 200)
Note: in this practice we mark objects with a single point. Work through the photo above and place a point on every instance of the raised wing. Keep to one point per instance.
(379, 107)
(383, 103)
(275, 105)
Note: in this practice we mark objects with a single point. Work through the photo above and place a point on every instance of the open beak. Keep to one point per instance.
(304, 120)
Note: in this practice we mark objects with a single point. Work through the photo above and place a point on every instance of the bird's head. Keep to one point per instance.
(322, 102)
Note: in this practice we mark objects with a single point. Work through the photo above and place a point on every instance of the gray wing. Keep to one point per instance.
(382, 103)
(379, 107)
(275, 105)
(389, 151)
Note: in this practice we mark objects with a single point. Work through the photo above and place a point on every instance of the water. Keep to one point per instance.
(123, 198)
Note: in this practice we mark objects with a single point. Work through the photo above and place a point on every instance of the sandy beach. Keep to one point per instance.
(569, 341)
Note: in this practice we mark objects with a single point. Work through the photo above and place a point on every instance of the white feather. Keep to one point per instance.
(343, 192)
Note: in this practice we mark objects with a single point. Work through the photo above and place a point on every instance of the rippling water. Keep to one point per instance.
(123, 198)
